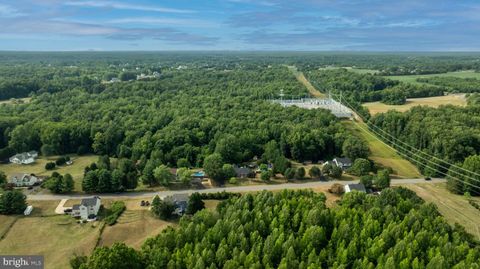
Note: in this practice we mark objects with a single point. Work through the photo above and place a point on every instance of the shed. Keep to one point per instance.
(28, 210)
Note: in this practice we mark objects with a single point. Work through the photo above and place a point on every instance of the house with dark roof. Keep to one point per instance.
(24, 157)
(88, 208)
(180, 201)
(243, 172)
(343, 163)
(354, 187)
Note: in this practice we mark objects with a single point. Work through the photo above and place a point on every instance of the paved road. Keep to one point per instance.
(249, 188)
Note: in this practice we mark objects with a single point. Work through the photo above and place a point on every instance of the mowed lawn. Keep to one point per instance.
(453, 99)
(455, 208)
(458, 74)
(382, 154)
(38, 168)
(58, 238)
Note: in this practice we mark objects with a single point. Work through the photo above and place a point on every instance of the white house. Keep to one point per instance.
(343, 163)
(24, 157)
(88, 208)
(354, 187)
(24, 180)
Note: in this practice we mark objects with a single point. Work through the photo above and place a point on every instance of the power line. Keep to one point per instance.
(406, 144)
(417, 155)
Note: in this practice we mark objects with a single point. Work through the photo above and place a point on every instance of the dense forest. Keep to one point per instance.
(294, 229)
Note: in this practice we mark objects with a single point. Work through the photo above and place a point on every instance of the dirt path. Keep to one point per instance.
(301, 77)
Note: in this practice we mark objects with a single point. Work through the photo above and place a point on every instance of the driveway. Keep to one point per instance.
(60, 207)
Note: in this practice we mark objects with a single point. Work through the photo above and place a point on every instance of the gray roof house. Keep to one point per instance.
(24, 180)
(354, 187)
(343, 163)
(180, 200)
(24, 157)
(243, 172)
(88, 208)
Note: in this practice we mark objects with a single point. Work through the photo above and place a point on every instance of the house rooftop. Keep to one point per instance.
(343, 160)
(90, 201)
(358, 187)
(178, 197)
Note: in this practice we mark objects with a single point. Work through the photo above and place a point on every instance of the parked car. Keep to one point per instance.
(428, 179)
(67, 211)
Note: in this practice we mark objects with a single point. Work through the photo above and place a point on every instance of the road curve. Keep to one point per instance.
(250, 188)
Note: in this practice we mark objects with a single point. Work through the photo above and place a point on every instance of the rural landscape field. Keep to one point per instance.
(239, 134)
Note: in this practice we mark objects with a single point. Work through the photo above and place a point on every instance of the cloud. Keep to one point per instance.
(165, 21)
(69, 28)
(119, 5)
(9, 12)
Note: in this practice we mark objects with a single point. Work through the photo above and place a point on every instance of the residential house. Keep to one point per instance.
(24, 157)
(88, 208)
(343, 163)
(243, 172)
(180, 200)
(354, 187)
(24, 180)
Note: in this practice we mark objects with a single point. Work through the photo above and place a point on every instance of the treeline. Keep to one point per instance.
(454, 84)
(367, 87)
(294, 229)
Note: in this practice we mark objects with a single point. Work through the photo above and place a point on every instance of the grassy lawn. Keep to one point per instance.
(382, 154)
(458, 74)
(453, 99)
(133, 228)
(300, 77)
(57, 238)
(38, 168)
(455, 208)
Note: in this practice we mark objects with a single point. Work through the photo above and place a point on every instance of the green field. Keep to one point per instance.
(458, 74)
(382, 154)
(38, 168)
(353, 69)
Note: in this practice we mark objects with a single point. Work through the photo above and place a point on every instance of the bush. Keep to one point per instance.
(289, 173)
(233, 181)
(265, 176)
(50, 166)
(114, 213)
(300, 173)
(61, 161)
(336, 188)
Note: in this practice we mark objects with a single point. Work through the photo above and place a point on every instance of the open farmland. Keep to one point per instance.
(458, 74)
(453, 99)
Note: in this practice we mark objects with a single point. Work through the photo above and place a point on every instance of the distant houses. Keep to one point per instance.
(24, 180)
(88, 208)
(24, 157)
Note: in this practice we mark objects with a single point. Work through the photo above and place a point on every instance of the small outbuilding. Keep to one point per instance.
(180, 201)
(28, 210)
(355, 187)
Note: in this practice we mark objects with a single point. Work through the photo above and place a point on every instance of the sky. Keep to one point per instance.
(279, 25)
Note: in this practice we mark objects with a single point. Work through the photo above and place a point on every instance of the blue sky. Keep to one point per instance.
(323, 25)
